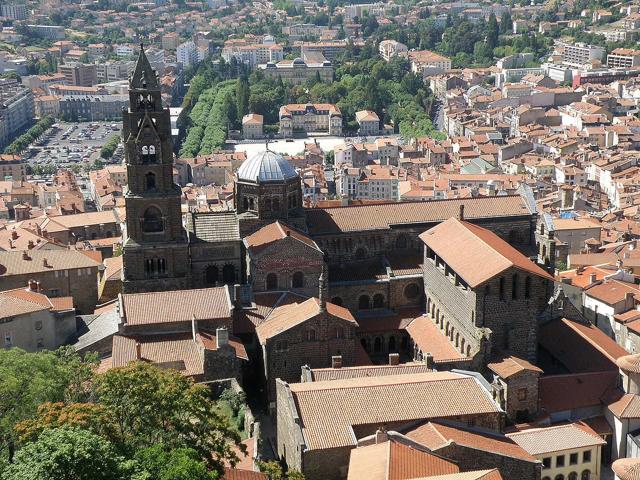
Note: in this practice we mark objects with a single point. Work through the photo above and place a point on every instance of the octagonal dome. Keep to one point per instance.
(266, 167)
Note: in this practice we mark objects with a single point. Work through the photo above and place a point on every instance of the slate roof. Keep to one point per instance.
(213, 227)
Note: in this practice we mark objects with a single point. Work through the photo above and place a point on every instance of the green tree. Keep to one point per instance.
(506, 23)
(67, 453)
(110, 146)
(242, 96)
(493, 31)
(178, 464)
(30, 379)
(152, 406)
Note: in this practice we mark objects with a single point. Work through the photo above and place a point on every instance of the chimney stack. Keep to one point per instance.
(394, 359)
(222, 337)
(25, 256)
(461, 213)
(428, 360)
(138, 351)
(237, 295)
(30, 245)
(45, 263)
(32, 285)
(336, 361)
(14, 235)
(381, 435)
(592, 278)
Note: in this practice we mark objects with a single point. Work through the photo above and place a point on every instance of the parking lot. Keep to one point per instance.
(70, 143)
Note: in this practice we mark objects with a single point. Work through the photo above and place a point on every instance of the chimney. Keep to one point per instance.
(336, 361)
(11, 246)
(628, 298)
(592, 278)
(461, 213)
(322, 288)
(138, 351)
(32, 285)
(394, 359)
(381, 435)
(14, 235)
(30, 245)
(237, 295)
(222, 337)
(428, 360)
(25, 255)
(45, 263)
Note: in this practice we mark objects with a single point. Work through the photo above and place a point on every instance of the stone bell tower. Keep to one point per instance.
(155, 243)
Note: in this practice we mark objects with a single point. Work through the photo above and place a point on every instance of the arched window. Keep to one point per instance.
(527, 287)
(585, 475)
(411, 291)
(392, 344)
(162, 266)
(229, 274)
(365, 344)
(211, 275)
(267, 204)
(559, 477)
(361, 253)
(252, 205)
(402, 242)
(514, 286)
(462, 344)
(150, 180)
(245, 203)
(148, 267)
(378, 300)
(148, 154)
(152, 220)
(502, 288)
(377, 345)
(457, 339)
(339, 332)
(364, 302)
(276, 204)
(298, 280)
(311, 335)
(337, 301)
(272, 281)
(468, 350)
(572, 476)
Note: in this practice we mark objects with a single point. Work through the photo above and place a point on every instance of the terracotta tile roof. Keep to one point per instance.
(393, 460)
(83, 219)
(242, 474)
(430, 339)
(491, 254)
(627, 468)
(247, 319)
(178, 351)
(273, 232)
(538, 441)
(329, 409)
(326, 374)
(382, 216)
(580, 347)
(612, 291)
(628, 406)
(509, 366)
(559, 393)
(492, 474)
(176, 306)
(209, 341)
(21, 301)
(61, 304)
(629, 363)
(13, 263)
(434, 435)
(285, 317)
(385, 321)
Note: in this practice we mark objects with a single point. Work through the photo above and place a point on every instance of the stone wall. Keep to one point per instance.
(289, 431)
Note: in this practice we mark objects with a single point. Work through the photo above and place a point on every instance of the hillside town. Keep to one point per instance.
(321, 240)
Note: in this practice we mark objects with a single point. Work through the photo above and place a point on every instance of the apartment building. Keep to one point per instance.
(113, 71)
(391, 48)
(17, 110)
(373, 182)
(93, 108)
(300, 118)
(80, 74)
(43, 82)
(252, 125)
(579, 54)
(331, 49)
(252, 54)
(428, 63)
(368, 122)
(14, 11)
(12, 167)
(623, 58)
(187, 54)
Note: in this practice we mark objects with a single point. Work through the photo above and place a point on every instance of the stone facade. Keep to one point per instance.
(518, 395)
(155, 247)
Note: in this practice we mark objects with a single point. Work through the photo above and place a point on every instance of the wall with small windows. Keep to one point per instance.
(574, 464)
(37, 330)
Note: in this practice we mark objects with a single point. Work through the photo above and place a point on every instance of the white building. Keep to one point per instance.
(374, 182)
(580, 54)
(187, 54)
(390, 48)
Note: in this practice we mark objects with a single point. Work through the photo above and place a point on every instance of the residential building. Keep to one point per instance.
(330, 49)
(299, 71)
(580, 54)
(391, 48)
(374, 182)
(428, 63)
(14, 11)
(12, 167)
(92, 107)
(187, 54)
(80, 74)
(17, 112)
(368, 123)
(623, 58)
(252, 126)
(32, 321)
